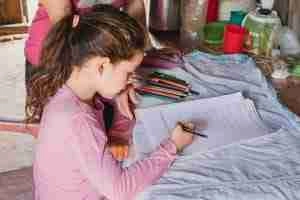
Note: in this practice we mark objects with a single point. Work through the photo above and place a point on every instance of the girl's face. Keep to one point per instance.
(115, 77)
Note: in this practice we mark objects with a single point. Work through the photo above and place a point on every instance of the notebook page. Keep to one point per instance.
(226, 120)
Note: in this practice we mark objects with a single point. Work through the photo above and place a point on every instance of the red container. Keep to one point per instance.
(212, 11)
(234, 38)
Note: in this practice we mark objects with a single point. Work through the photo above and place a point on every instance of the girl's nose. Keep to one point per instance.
(134, 78)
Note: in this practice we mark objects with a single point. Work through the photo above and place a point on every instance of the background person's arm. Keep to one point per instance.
(57, 9)
(136, 9)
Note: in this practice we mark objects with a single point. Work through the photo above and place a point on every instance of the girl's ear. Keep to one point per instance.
(100, 69)
(103, 63)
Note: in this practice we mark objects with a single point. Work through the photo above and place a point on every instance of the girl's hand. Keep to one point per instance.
(125, 100)
(120, 151)
(182, 138)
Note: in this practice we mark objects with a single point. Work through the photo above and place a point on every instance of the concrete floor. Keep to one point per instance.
(12, 76)
(16, 150)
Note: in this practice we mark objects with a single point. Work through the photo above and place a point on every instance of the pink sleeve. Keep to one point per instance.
(122, 127)
(37, 33)
(88, 143)
(119, 3)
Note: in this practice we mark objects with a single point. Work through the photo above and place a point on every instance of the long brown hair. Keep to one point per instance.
(102, 31)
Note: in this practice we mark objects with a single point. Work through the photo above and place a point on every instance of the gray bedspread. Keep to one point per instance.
(266, 167)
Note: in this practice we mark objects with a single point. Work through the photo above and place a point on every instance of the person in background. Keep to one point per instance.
(84, 56)
(47, 14)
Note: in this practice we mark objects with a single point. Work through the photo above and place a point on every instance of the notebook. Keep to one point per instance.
(225, 120)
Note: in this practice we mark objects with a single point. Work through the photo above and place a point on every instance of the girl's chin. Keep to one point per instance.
(109, 96)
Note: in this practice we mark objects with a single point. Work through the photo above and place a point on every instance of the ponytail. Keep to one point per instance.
(55, 69)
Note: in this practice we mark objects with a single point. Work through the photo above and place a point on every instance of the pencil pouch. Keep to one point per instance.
(160, 59)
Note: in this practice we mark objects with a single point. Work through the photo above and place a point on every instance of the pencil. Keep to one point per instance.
(187, 129)
(195, 132)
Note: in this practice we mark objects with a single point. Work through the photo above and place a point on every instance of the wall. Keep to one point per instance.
(31, 8)
(294, 16)
(11, 11)
(282, 7)
(289, 12)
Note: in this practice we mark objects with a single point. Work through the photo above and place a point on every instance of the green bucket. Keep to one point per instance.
(214, 32)
(295, 71)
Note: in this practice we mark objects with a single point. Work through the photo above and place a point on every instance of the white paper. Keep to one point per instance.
(226, 120)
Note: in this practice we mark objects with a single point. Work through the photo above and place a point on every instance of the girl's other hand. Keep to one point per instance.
(120, 151)
(182, 138)
(126, 101)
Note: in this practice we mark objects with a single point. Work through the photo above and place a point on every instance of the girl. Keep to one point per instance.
(48, 13)
(86, 55)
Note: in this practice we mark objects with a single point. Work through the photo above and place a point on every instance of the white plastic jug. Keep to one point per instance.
(264, 31)
(267, 4)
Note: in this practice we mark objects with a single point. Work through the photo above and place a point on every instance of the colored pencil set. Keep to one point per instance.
(165, 85)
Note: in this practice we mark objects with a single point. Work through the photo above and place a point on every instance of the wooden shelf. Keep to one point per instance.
(13, 29)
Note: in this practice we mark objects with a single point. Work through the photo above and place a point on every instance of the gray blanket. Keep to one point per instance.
(266, 167)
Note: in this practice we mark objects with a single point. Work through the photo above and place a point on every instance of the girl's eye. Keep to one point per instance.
(129, 75)
(131, 78)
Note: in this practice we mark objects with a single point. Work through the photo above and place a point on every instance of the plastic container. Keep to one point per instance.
(214, 32)
(234, 38)
(294, 80)
(212, 11)
(193, 20)
(264, 31)
(280, 75)
(237, 17)
(267, 4)
(280, 83)
(165, 15)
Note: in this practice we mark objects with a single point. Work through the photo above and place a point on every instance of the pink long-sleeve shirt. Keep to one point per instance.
(72, 160)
